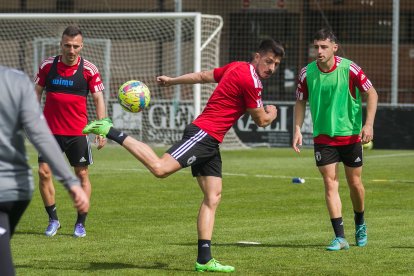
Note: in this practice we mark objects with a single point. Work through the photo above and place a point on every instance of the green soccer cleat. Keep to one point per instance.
(213, 266)
(99, 127)
(361, 236)
(338, 244)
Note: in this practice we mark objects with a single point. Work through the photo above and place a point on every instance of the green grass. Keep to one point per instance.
(140, 225)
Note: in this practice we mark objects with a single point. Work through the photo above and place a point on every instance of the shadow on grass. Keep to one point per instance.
(38, 233)
(96, 266)
(260, 245)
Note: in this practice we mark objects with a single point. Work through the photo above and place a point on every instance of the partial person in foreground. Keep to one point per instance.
(239, 90)
(19, 113)
(67, 79)
(334, 86)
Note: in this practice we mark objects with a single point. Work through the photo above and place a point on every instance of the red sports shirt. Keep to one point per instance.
(239, 88)
(65, 112)
(357, 79)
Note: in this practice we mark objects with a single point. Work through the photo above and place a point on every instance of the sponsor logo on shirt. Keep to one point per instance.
(62, 82)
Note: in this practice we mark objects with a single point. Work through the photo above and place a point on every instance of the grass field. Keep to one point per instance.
(140, 225)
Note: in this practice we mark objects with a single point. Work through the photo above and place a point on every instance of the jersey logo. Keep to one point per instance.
(318, 156)
(191, 160)
(362, 77)
(62, 82)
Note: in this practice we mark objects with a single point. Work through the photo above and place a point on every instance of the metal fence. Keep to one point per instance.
(378, 35)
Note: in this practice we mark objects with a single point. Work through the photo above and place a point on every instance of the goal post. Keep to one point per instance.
(126, 46)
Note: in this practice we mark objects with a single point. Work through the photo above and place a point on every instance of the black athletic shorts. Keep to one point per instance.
(77, 150)
(350, 155)
(198, 150)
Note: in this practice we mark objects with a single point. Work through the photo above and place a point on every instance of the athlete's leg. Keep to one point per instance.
(357, 192)
(333, 202)
(6, 262)
(47, 190)
(211, 187)
(159, 167)
(356, 188)
(83, 174)
(10, 214)
(330, 179)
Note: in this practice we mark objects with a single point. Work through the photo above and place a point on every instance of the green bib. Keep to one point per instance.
(334, 111)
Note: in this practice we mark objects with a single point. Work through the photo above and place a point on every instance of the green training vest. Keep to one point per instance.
(334, 111)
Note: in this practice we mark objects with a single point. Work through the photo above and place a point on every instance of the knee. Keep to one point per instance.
(213, 200)
(82, 174)
(44, 174)
(159, 171)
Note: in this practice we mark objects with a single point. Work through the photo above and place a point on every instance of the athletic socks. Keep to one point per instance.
(51, 211)
(359, 218)
(116, 135)
(204, 251)
(338, 226)
(81, 218)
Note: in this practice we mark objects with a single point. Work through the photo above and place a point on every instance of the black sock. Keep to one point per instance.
(359, 218)
(204, 251)
(51, 211)
(81, 218)
(338, 226)
(116, 135)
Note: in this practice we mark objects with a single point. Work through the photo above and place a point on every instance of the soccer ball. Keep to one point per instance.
(368, 146)
(134, 96)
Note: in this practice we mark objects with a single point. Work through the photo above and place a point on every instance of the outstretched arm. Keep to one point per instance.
(191, 78)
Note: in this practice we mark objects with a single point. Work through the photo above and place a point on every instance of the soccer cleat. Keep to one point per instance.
(213, 266)
(52, 228)
(99, 127)
(361, 237)
(80, 231)
(338, 244)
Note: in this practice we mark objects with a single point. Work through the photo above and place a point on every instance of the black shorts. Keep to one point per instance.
(350, 155)
(77, 150)
(198, 150)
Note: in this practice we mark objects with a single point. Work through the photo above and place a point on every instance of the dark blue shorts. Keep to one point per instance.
(198, 150)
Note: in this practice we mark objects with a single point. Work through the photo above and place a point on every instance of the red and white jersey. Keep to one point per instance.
(239, 88)
(65, 108)
(357, 79)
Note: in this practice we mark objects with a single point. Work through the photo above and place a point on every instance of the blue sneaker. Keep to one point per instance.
(338, 244)
(361, 237)
(80, 231)
(52, 228)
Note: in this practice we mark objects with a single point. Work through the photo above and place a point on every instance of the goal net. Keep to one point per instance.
(129, 46)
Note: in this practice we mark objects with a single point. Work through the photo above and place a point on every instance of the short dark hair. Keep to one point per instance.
(324, 34)
(72, 31)
(269, 45)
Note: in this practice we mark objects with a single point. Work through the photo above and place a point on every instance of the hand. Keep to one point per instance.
(271, 109)
(297, 141)
(79, 198)
(100, 141)
(367, 134)
(163, 81)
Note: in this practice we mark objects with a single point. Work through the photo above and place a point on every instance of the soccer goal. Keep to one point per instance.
(126, 46)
